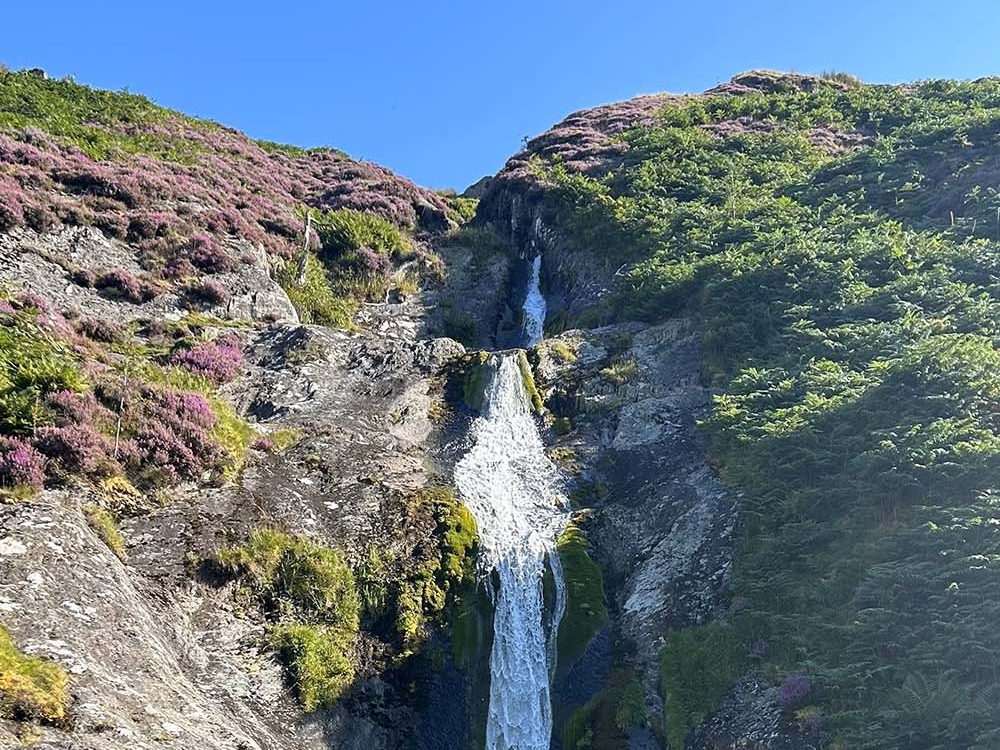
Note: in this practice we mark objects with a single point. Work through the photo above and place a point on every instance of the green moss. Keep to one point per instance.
(105, 526)
(529, 382)
(586, 611)
(285, 438)
(294, 578)
(320, 661)
(315, 299)
(475, 378)
(603, 723)
(30, 688)
(443, 569)
(697, 668)
(472, 626)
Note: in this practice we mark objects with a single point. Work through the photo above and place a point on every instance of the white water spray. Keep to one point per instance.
(534, 305)
(514, 492)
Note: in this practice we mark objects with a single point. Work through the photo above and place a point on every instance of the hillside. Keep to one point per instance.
(837, 244)
(227, 444)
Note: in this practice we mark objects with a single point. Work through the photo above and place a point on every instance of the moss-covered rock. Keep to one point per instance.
(476, 376)
(586, 611)
(320, 661)
(30, 688)
(529, 382)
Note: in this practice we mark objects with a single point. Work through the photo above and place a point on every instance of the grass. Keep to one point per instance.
(294, 578)
(308, 593)
(621, 371)
(320, 662)
(561, 351)
(285, 438)
(105, 526)
(314, 299)
(586, 611)
(31, 689)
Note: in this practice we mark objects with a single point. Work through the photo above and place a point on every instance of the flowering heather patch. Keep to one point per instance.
(204, 253)
(794, 688)
(206, 292)
(372, 264)
(218, 360)
(171, 432)
(20, 463)
(174, 186)
(99, 329)
(76, 449)
(121, 284)
(263, 444)
(60, 417)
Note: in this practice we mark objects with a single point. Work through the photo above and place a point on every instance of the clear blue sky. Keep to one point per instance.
(443, 92)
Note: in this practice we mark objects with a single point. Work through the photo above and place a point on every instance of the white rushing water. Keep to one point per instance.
(534, 305)
(514, 491)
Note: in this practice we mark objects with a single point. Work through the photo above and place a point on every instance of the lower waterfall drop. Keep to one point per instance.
(514, 492)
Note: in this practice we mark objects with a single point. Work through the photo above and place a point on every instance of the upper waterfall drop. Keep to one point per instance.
(534, 305)
(515, 493)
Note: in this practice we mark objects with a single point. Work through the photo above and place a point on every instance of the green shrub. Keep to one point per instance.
(462, 210)
(30, 688)
(343, 231)
(294, 578)
(314, 299)
(33, 364)
(105, 526)
(320, 661)
(846, 292)
(697, 668)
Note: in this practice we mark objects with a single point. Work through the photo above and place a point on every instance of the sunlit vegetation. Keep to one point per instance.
(75, 406)
(31, 688)
(840, 247)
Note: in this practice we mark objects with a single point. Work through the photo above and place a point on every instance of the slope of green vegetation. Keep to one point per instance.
(851, 312)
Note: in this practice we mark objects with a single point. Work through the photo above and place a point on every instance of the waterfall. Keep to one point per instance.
(514, 492)
(534, 305)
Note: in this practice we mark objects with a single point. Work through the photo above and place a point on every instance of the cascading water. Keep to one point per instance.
(514, 491)
(534, 305)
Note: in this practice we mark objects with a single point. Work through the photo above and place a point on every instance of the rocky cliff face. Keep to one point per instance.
(158, 655)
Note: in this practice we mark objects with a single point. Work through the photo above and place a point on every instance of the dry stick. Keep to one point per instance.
(305, 250)
(121, 407)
